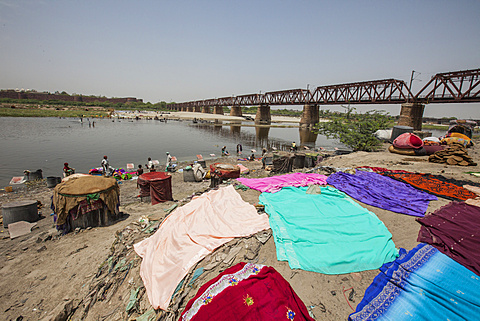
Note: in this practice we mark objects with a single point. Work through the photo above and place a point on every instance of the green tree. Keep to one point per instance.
(355, 130)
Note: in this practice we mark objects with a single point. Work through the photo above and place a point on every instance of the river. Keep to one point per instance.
(47, 143)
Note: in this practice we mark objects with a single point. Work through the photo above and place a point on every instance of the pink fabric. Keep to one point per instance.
(189, 234)
(408, 140)
(275, 183)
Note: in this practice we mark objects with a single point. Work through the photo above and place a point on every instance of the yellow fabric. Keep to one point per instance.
(71, 192)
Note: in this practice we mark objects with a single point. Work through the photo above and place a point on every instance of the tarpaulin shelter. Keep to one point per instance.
(86, 201)
(225, 170)
(462, 126)
(157, 185)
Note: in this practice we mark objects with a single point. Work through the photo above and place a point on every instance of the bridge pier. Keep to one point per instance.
(263, 115)
(411, 115)
(206, 110)
(310, 116)
(218, 110)
(236, 111)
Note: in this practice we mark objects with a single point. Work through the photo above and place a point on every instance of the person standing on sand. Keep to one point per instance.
(239, 149)
(139, 170)
(149, 164)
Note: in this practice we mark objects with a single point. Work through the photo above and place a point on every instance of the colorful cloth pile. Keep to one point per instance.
(422, 284)
(275, 183)
(188, 234)
(454, 230)
(383, 192)
(246, 292)
(327, 232)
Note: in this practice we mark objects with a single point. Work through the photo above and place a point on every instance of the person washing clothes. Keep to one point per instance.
(169, 162)
(107, 169)
(225, 151)
(67, 170)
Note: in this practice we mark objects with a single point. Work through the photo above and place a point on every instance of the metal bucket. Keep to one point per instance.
(299, 161)
(52, 181)
(25, 210)
(398, 130)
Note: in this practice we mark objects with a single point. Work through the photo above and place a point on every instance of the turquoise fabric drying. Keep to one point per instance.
(328, 232)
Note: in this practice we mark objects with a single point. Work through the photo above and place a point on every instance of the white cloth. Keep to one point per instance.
(188, 234)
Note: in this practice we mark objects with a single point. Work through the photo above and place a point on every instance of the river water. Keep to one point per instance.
(47, 143)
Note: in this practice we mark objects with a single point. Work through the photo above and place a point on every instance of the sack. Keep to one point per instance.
(408, 140)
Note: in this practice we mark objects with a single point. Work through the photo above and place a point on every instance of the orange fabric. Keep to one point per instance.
(189, 234)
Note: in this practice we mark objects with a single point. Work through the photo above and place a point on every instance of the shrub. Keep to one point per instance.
(355, 130)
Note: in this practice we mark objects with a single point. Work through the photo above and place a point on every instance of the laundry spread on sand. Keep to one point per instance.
(438, 185)
(327, 232)
(454, 230)
(383, 192)
(275, 183)
(422, 284)
(245, 292)
(188, 234)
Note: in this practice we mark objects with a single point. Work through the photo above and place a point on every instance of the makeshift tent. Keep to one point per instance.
(86, 201)
(462, 126)
(188, 234)
(225, 171)
(157, 185)
(422, 284)
(327, 232)
(245, 292)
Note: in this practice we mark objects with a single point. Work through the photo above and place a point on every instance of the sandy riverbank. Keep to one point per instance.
(203, 116)
(41, 273)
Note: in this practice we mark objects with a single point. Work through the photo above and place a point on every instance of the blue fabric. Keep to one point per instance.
(422, 284)
(327, 233)
(383, 192)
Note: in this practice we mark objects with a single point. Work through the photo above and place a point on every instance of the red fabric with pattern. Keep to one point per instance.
(264, 296)
(435, 184)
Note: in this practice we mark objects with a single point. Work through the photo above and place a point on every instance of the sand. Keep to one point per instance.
(42, 274)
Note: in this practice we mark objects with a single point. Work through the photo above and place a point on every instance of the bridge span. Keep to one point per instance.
(450, 87)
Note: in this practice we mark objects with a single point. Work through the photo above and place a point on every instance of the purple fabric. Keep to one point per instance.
(275, 183)
(454, 230)
(384, 192)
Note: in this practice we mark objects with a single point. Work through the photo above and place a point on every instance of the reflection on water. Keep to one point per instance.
(46, 143)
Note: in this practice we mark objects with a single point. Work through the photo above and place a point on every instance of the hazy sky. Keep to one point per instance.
(190, 50)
